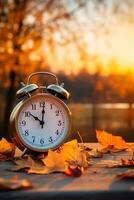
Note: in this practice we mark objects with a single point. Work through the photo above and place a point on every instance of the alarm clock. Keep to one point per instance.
(41, 120)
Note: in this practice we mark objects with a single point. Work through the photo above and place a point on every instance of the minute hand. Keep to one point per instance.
(42, 122)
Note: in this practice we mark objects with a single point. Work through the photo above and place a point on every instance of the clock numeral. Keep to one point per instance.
(33, 106)
(59, 123)
(42, 104)
(26, 132)
(50, 139)
(23, 123)
(27, 114)
(57, 112)
(42, 140)
(57, 132)
(33, 137)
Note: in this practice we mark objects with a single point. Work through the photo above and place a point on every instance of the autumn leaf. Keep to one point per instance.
(69, 150)
(110, 143)
(126, 175)
(14, 184)
(95, 153)
(54, 162)
(68, 157)
(128, 162)
(18, 153)
(25, 164)
(116, 163)
(7, 149)
(74, 171)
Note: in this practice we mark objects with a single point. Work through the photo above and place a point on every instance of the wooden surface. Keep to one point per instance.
(96, 183)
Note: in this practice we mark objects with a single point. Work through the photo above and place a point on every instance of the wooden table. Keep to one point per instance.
(96, 183)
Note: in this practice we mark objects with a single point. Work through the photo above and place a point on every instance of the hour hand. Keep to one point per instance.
(35, 117)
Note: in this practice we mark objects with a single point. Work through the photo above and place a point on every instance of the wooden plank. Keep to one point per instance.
(96, 183)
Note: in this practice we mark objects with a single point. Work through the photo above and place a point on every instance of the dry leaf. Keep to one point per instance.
(81, 161)
(18, 153)
(24, 164)
(127, 162)
(95, 153)
(74, 171)
(54, 162)
(126, 175)
(14, 184)
(68, 156)
(110, 142)
(7, 149)
(69, 150)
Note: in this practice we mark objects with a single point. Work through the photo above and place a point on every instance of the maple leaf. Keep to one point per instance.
(74, 155)
(69, 157)
(24, 164)
(7, 149)
(69, 150)
(14, 184)
(110, 143)
(54, 162)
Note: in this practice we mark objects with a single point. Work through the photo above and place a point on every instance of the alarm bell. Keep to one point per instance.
(26, 90)
(59, 91)
(54, 88)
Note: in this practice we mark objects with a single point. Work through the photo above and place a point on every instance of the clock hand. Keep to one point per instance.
(43, 112)
(36, 118)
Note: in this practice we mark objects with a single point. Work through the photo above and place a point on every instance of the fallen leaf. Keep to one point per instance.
(54, 162)
(74, 171)
(18, 153)
(95, 153)
(69, 150)
(7, 149)
(127, 162)
(126, 175)
(24, 164)
(110, 143)
(14, 184)
(81, 161)
(69, 156)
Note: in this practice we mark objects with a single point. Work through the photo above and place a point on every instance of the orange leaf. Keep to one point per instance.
(127, 162)
(74, 171)
(14, 184)
(7, 149)
(110, 141)
(54, 162)
(69, 150)
(126, 175)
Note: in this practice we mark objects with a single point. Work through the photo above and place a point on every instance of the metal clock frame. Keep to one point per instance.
(14, 123)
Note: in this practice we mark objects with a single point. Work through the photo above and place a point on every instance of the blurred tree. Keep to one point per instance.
(23, 25)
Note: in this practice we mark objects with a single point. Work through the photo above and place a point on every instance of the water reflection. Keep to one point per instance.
(117, 118)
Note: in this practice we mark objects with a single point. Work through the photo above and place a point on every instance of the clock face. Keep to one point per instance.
(43, 122)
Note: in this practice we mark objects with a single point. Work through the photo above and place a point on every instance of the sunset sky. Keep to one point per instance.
(106, 38)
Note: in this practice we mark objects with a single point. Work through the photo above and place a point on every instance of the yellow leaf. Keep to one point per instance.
(54, 161)
(110, 141)
(7, 149)
(70, 150)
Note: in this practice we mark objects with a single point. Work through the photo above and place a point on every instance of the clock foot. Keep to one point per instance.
(24, 152)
